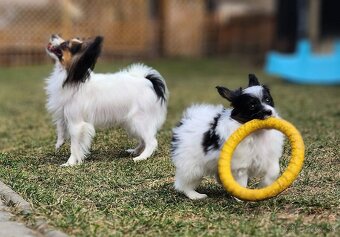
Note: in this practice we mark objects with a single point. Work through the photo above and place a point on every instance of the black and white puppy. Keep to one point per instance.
(203, 129)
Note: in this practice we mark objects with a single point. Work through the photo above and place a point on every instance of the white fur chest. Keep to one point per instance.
(256, 152)
(57, 96)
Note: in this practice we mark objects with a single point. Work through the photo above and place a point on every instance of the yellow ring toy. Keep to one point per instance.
(283, 182)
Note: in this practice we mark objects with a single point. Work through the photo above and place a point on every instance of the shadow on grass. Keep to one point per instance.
(99, 155)
(169, 194)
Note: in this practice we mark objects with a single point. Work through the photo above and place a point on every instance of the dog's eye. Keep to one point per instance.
(64, 45)
(252, 106)
(267, 99)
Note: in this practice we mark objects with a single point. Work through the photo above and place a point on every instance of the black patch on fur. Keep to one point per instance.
(253, 81)
(75, 48)
(80, 70)
(228, 94)
(267, 98)
(175, 139)
(247, 107)
(174, 143)
(211, 140)
(158, 86)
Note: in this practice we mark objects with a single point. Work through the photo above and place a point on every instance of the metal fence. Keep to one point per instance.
(26, 25)
(131, 28)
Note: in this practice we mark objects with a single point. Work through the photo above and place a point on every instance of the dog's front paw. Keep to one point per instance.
(67, 165)
(193, 195)
(198, 196)
(72, 161)
(138, 158)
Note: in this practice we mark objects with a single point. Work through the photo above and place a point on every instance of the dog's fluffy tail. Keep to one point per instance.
(158, 85)
(154, 77)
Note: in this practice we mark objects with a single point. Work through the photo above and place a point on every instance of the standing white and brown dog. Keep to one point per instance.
(80, 100)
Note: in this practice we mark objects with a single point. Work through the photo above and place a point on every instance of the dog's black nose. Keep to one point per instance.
(268, 112)
(54, 36)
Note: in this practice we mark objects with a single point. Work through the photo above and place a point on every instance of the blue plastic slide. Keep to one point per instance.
(304, 66)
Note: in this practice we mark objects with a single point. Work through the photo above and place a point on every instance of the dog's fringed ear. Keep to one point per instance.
(82, 66)
(253, 81)
(228, 94)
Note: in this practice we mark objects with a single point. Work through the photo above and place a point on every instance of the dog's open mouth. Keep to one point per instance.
(56, 50)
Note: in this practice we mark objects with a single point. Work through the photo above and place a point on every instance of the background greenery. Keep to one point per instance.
(111, 195)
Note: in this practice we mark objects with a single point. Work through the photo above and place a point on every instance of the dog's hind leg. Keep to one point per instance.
(61, 133)
(144, 128)
(150, 147)
(147, 134)
(187, 181)
(138, 150)
(81, 137)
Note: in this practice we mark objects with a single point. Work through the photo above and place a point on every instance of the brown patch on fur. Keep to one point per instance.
(67, 58)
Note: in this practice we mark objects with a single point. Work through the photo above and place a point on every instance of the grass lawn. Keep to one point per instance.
(111, 195)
